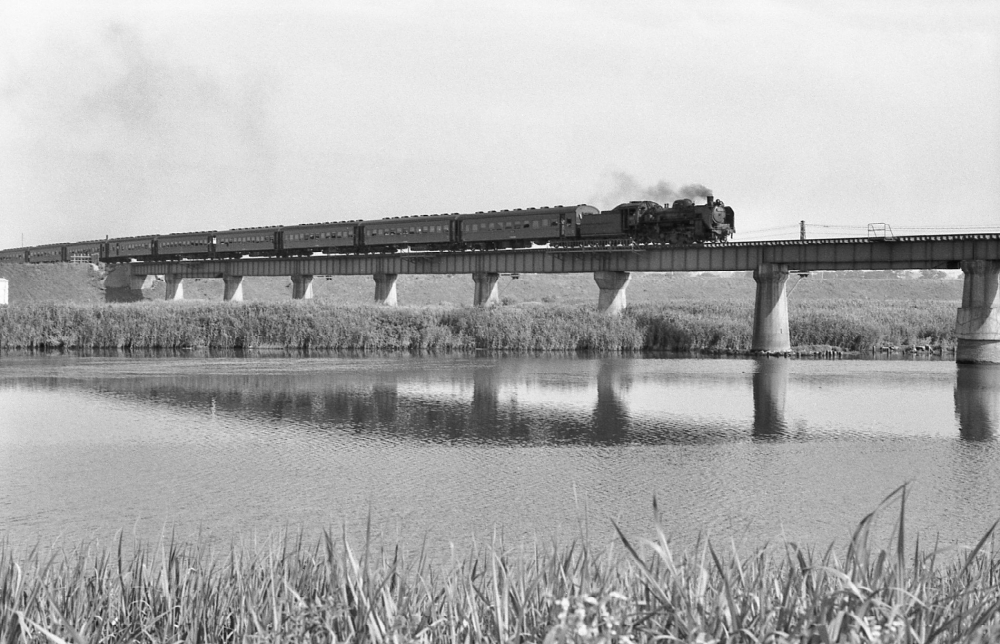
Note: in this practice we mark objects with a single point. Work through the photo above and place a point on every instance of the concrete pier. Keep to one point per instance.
(302, 287)
(233, 291)
(385, 288)
(770, 311)
(613, 285)
(175, 287)
(487, 291)
(3, 292)
(141, 282)
(977, 326)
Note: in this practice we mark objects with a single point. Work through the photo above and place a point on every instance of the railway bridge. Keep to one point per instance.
(978, 256)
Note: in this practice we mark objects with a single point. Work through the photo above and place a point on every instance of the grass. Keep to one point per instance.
(290, 591)
(860, 324)
(310, 326)
(682, 326)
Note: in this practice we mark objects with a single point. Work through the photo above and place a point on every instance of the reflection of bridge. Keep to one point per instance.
(977, 324)
(770, 383)
(977, 399)
(485, 402)
(477, 403)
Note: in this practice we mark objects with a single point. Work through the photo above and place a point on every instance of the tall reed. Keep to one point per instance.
(312, 325)
(287, 590)
(680, 326)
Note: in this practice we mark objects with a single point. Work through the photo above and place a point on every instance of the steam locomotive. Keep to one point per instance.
(632, 223)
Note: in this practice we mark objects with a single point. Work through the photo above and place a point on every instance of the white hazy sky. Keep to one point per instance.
(122, 118)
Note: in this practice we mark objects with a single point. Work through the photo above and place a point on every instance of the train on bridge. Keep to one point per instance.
(636, 222)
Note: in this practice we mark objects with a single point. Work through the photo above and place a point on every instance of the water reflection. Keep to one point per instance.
(599, 401)
(485, 408)
(611, 413)
(977, 401)
(506, 401)
(770, 384)
(492, 401)
(505, 406)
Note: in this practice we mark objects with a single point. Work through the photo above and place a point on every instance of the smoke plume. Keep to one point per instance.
(627, 188)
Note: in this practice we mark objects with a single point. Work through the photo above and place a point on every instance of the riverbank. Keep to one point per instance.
(286, 590)
(715, 327)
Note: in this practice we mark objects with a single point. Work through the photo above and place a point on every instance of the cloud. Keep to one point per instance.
(115, 137)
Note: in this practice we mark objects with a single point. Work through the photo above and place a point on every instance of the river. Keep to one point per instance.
(455, 448)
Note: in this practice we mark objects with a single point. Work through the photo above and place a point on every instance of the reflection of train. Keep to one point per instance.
(636, 222)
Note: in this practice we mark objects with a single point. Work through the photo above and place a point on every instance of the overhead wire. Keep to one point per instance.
(766, 230)
(816, 231)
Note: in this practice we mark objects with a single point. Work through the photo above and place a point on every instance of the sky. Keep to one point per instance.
(141, 117)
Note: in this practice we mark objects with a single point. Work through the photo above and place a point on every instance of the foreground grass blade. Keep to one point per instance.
(287, 590)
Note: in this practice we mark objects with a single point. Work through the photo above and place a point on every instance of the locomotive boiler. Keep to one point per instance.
(647, 222)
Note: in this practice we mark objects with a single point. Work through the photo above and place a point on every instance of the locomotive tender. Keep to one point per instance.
(632, 223)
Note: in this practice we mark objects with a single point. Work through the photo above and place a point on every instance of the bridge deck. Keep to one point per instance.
(923, 252)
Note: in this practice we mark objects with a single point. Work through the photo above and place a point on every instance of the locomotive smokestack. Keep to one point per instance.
(710, 198)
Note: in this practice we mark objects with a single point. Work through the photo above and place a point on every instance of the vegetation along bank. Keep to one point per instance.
(706, 326)
(68, 306)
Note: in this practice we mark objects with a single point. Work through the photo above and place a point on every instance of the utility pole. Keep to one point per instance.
(802, 230)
